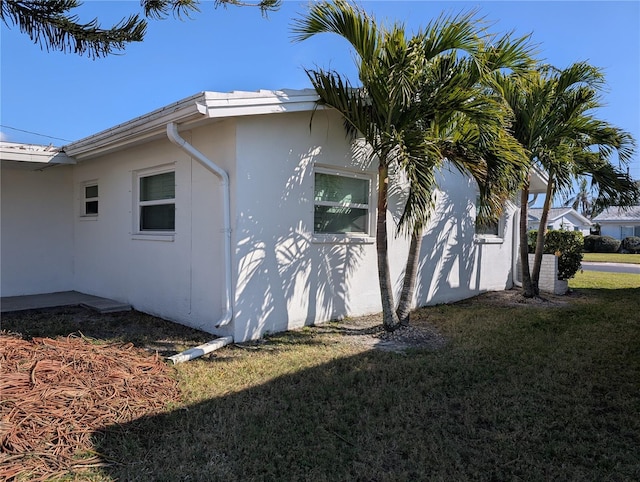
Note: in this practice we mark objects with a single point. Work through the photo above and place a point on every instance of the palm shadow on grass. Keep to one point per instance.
(553, 396)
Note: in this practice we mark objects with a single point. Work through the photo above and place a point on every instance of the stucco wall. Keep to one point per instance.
(287, 277)
(179, 277)
(284, 276)
(36, 237)
(615, 229)
(455, 262)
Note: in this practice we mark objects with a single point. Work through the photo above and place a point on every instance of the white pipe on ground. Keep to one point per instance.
(174, 137)
(201, 350)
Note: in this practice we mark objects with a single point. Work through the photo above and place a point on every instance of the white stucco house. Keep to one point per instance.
(233, 213)
(619, 222)
(562, 218)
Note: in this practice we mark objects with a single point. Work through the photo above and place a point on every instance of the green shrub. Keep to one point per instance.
(590, 242)
(631, 244)
(607, 244)
(601, 244)
(567, 245)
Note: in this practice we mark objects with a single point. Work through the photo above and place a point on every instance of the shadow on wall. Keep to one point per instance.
(450, 261)
(284, 278)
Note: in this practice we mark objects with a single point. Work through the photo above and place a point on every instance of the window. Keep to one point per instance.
(156, 201)
(89, 207)
(626, 231)
(486, 229)
(341, 203)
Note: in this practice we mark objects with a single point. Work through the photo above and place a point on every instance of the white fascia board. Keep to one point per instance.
(539, 180)
(33, 154)
(136, 130)
(560, 214)
(620, 220)
(580, 217)
(255, 103)
(194, 109)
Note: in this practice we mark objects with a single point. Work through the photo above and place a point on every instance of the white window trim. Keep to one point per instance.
(345, 238)
(137, 233)
(479, 238)
(632, 227)
(84, 216)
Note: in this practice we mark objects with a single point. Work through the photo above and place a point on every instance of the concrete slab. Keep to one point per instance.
(62, 298)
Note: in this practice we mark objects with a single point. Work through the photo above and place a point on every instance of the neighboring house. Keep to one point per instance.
(233, 213)
(619, 222)
(564, 218)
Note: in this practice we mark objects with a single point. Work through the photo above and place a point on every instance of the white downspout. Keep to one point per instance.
(516, 249)
(174, 137)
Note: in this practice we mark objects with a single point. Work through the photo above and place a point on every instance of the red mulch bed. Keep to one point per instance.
(56, 394)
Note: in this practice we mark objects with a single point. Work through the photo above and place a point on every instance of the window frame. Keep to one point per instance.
(367, 237)
(84, 199)
(634, 228)
(487, 238)
(138, 232)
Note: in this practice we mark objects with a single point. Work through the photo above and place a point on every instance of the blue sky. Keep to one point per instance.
(69, 97)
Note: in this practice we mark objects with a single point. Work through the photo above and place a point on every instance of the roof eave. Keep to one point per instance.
(190, 112)
(32, 156)
(538, 180)
(236, 104)
(135, 131)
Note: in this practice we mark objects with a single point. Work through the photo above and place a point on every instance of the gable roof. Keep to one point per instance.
(191, 112)
(616, 214)
(556, 213)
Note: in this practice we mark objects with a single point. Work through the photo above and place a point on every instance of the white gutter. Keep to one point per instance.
(174, 137)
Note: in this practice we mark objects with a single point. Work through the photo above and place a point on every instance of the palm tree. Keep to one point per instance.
(581, 200)
(554, 122)
(415, 93)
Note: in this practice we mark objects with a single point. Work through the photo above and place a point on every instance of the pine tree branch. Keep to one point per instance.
(49, 25)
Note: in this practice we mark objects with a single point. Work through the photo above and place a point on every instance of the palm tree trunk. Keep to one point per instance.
(542, 229)
(409, 284)
(528, 289)
(389, 317)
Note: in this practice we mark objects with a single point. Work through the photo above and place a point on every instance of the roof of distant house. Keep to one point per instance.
(618, 214)
(555, 213)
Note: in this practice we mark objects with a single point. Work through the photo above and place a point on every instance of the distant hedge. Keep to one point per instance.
(567, 245)
(601, 244)
(631, 244)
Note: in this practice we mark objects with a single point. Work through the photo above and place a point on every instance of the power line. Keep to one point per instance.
(35, 133)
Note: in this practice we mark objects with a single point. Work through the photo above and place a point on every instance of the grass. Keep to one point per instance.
(597, 280)
(612, 257)
(519, 393)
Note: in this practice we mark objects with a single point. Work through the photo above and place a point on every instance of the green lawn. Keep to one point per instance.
(612, 257)
(528, 392)
(519, 393)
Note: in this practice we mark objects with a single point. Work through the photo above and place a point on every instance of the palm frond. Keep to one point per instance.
(344, 19)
